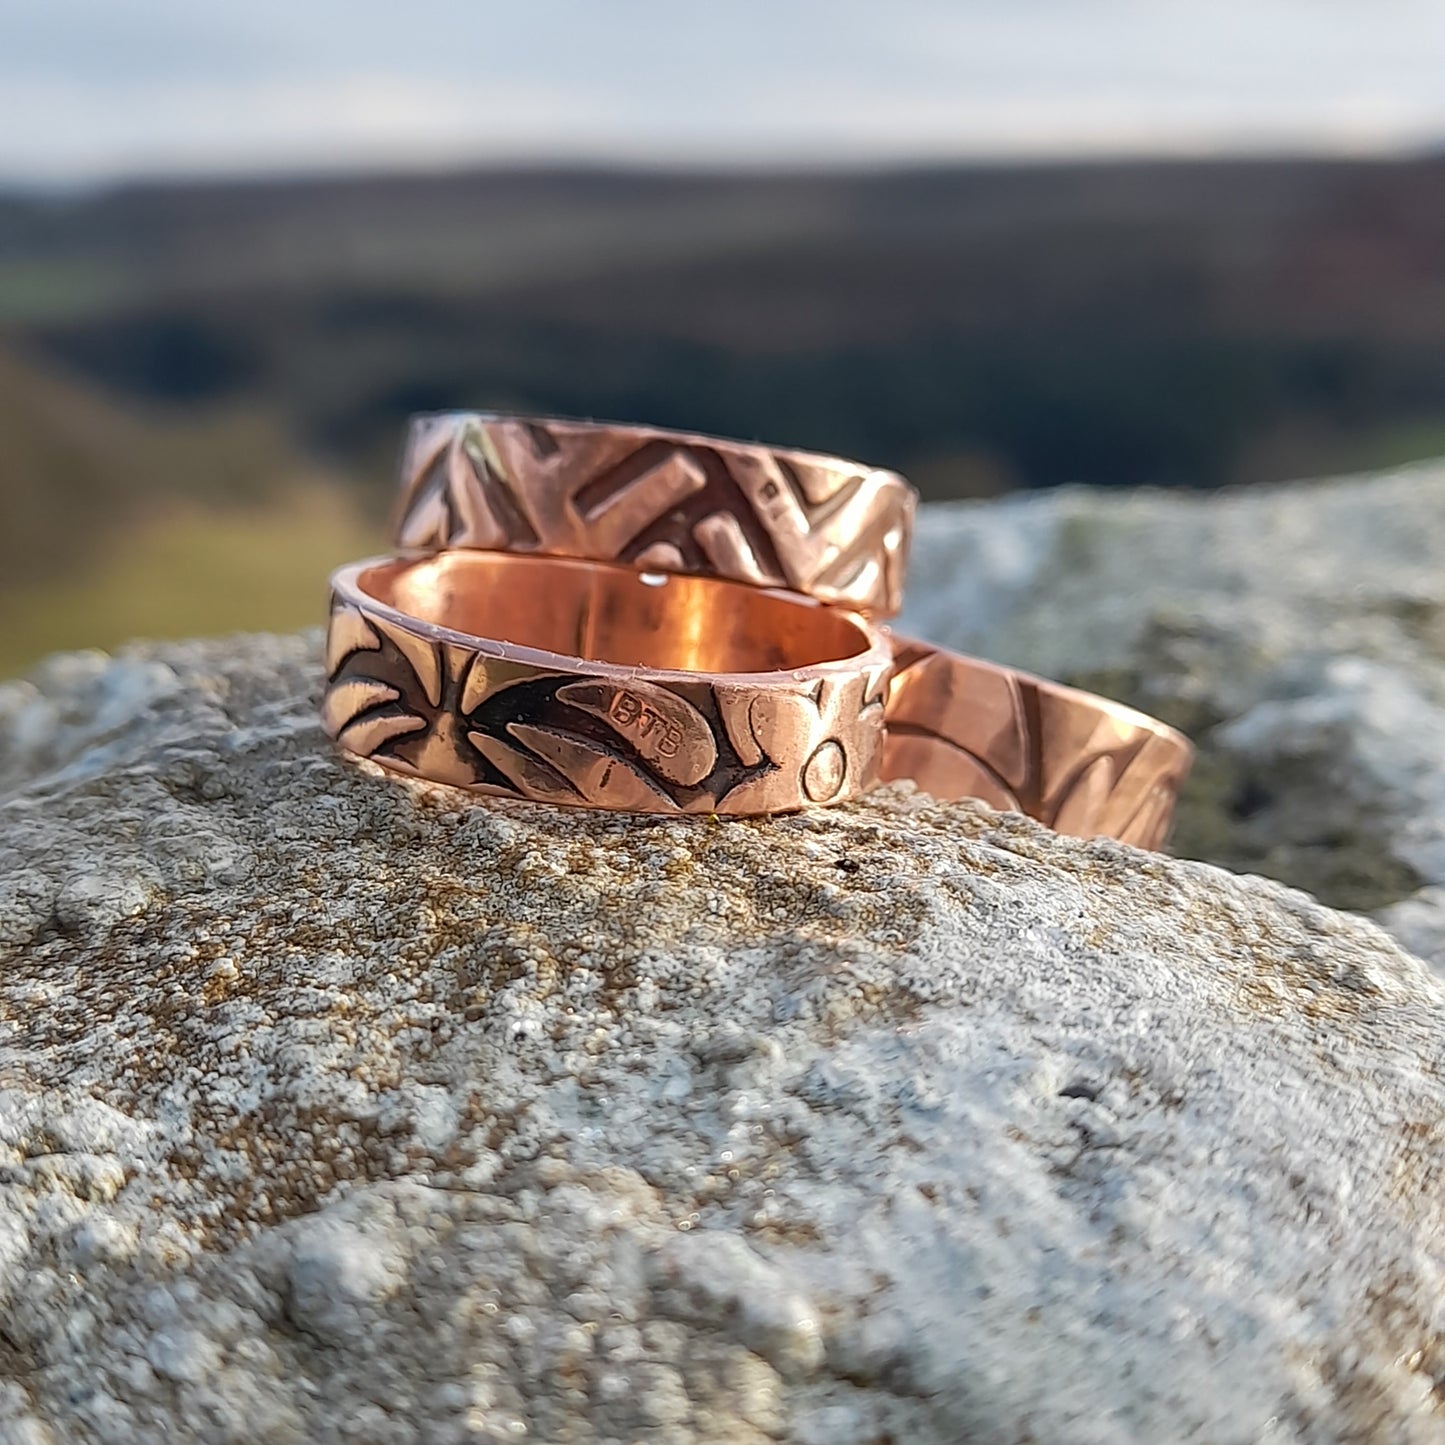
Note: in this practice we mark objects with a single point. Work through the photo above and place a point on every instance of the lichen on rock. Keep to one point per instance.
(1297, 633)
(336, 1108)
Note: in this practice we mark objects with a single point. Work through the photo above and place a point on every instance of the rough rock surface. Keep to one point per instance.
(1297, 633)
(333, 1109)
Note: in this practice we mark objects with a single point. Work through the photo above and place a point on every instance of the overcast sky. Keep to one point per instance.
(99, 89)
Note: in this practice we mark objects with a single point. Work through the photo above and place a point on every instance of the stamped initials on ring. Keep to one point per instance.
(635, 715)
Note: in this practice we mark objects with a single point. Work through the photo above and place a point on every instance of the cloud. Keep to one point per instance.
(89, 90)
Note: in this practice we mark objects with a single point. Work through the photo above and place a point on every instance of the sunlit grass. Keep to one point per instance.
(57, 290)
(197, 572)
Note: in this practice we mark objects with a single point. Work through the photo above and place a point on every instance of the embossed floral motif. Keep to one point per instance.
(397, 697)
(802, 729)
(438, 710)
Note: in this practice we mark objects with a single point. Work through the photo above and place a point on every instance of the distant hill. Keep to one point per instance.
(202, 387)
(117, 522)
(986, 327)
(76, 464)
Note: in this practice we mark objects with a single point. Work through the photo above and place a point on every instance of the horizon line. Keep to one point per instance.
(707, 166)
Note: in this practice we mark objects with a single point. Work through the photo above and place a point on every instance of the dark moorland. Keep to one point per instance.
(984, 328)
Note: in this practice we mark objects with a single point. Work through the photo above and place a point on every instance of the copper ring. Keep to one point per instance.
(659, 500)
(962, 728)
(590, 683)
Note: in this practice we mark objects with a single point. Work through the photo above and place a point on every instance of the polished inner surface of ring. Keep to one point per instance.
(612, 614)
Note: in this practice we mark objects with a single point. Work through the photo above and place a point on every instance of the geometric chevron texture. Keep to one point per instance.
(964, 728)
(658, 500)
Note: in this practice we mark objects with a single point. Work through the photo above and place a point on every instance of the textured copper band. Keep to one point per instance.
(961, 728)
(595, 684)
(659, 500)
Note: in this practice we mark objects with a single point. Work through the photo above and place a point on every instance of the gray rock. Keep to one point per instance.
(337, 1109)
(1297, 633)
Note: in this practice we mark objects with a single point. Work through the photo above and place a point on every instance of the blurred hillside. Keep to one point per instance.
(121, 521)
(236, 346)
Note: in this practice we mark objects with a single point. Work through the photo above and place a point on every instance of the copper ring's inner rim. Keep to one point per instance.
(613, 614)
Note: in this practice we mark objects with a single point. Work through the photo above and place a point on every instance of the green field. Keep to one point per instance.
(197, 572)
(186, 368)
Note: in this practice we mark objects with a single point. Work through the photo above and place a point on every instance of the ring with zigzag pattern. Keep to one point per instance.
(963, 728)
(658, 500)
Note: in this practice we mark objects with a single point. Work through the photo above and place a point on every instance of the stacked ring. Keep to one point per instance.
(639, 619)
(664, 501)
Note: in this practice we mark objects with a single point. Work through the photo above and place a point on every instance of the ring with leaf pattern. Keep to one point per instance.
(595, 684)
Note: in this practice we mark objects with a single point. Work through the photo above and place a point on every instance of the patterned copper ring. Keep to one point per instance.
(594, 684)
(659, 500)
(962, 728)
